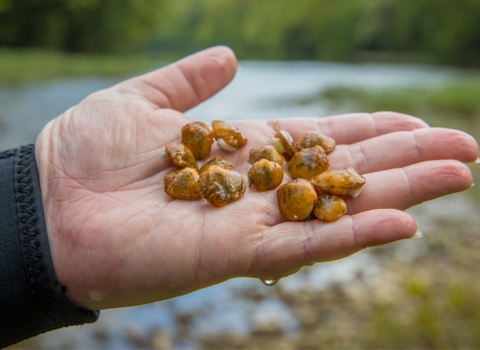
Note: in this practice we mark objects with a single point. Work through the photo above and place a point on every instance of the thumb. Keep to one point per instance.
(186, 83)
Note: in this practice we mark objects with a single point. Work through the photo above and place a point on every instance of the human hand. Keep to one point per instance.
(118, 240)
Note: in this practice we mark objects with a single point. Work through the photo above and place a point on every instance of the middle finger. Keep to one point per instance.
(402, 188)
(404, 148)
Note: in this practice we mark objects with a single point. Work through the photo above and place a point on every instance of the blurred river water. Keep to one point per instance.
(259, 91)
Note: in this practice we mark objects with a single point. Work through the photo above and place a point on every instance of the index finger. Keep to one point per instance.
(350, 128)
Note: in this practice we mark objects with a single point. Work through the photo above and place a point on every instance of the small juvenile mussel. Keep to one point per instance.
(198, 138)
(265, 175)
(311, 139)
(296, 199)
(283, 143)
(219, 161)
(329, 208)
(340, 182)
(221, 186)
(182, 184)
(227, 135)
(266, 152)
(180, 155)
(308, 162)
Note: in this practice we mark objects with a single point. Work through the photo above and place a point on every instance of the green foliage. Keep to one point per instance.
(78, 25)
(442, 30)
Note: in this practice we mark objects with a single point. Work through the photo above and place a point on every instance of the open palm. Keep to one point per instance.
(118, 240)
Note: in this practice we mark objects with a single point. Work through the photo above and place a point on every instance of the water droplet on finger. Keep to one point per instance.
(269, 282)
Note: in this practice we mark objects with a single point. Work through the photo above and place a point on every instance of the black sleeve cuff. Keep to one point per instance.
(31, 299)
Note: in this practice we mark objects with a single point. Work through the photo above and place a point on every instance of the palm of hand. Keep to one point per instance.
(117, 239)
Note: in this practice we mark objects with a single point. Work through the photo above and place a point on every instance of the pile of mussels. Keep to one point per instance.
(313, 190)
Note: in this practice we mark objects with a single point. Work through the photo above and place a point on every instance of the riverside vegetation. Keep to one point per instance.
(446, 32)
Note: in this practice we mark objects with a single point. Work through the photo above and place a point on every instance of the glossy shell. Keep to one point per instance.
(340, 182)
(296, 199)
(181, 155)
(311, 139)
(220, 186)
(228, 132)
(182, 184)
(219, 161)
(308, 162)
(198, 138)
(329, 208)
(266, 152)
(265, 175)
(287, 142)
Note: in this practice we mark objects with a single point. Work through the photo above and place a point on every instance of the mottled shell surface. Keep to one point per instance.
(198, 138)
(308, 162)
(219, 161)
(287, 142)
(311, 139)
(181, 155)
(340, 182)
(265, 175)
(329, 208)
(228, 132)
(220, 186)
(266, 152)
(296, 199)
(182, 184)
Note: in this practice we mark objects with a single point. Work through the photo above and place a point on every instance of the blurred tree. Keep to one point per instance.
(78, 25)
(444, 30)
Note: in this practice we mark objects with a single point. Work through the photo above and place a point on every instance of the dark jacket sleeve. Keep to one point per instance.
(31, 299)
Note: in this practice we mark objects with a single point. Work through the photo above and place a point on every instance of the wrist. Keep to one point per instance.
(32, 300)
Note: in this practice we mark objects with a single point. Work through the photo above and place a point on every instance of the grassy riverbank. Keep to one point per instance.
(33, 65)
(455, 102)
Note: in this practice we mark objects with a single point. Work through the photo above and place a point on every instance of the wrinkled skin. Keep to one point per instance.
(115, 234)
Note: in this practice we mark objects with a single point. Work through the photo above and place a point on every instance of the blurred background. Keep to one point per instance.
(297, 58)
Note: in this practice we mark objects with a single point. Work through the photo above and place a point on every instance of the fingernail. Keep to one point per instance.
(418, 234)
(472, 185)
(477, 160)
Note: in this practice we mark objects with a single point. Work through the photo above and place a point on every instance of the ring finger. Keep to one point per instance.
(401, 188)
